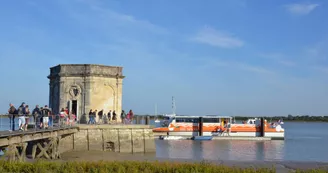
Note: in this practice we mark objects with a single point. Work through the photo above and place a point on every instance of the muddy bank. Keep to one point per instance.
(285, 166)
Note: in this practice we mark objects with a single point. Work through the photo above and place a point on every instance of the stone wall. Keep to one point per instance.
(66, 143)
(117, 138)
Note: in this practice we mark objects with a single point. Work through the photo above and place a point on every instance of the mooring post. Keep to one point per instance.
(262, 127)
(200, 126)
(147, 120)
(138, 119)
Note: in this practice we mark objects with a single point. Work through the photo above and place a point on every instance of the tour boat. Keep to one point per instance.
(189, 125)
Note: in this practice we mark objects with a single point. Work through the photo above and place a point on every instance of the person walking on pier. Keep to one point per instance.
(95, 116)
(12, 111)
(100, 117)
(90, 117)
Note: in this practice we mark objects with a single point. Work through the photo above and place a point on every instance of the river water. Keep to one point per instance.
(304, 141)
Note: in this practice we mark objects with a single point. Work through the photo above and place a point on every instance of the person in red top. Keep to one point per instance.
(130, 116)
(66, 110)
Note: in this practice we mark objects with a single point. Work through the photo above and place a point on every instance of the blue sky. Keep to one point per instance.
(232, 57)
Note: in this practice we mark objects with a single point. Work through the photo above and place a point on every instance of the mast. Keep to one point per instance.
(173, 105)
(156, 109)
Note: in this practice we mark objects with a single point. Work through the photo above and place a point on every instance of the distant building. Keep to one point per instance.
(82, 87)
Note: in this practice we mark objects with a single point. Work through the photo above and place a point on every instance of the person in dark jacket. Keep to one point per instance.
(12, 111)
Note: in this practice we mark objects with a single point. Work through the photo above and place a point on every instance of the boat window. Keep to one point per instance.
(211, 120)
(186, 120)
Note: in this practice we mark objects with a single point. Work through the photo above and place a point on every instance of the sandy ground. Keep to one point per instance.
(111, 156)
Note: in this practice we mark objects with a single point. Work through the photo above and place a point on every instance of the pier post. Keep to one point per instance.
(138, 118)
(262, 127)
(200, 126)
(147, 120)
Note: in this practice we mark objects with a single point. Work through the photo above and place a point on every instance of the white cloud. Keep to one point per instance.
(210, 36)
(209, 63)
(252, 68)
(101, 16)
(301, 9)
(278, 58)
(287, 62)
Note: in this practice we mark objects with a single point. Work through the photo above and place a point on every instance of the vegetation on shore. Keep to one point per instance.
(127, 167)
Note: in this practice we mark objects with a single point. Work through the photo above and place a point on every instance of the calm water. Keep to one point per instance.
(303, 142)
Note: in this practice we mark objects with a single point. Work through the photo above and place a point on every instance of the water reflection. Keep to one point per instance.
(220, 150)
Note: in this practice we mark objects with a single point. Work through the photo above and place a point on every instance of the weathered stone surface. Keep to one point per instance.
(15, 139)
(138, 142)
(66, 143)
(111, 142)
(125, 141)
(4, 142)
(149, 141)
(95, 139)
(46, 135)
(37, 136)
(81, 140)
(96, 87)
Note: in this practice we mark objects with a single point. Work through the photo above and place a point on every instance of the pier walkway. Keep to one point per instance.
(43, 142)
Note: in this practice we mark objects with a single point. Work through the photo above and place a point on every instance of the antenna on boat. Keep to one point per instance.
(156, 109)
(173, 105)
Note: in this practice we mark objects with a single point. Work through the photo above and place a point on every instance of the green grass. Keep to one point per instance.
(126, 167)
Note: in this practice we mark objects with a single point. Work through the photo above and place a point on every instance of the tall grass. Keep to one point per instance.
(124, 167)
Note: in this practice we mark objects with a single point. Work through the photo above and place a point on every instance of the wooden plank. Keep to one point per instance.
(34, 151)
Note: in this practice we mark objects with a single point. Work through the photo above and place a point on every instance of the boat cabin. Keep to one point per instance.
(207, 119)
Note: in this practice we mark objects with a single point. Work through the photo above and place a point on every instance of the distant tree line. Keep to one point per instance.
(291, 118)
(276, 118)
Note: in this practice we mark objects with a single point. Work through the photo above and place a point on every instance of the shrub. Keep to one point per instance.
(125, 167)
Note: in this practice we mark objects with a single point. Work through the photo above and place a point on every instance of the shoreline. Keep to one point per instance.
(281, 166)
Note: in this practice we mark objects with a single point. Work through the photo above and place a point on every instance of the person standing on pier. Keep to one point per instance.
(100, 117)
(27, 117)
(21, 116)
(45, 116)
(12, 112)
(95, 116)
(123, 117)
(35, 113)
(109, 115)
(114, 116)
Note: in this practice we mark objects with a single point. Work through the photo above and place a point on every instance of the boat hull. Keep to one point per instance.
(238, 134)
(239, 130)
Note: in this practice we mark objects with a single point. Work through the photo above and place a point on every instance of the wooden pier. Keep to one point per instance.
(44, 142)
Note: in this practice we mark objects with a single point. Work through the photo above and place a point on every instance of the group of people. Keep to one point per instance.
(42, 116)
(110, 117)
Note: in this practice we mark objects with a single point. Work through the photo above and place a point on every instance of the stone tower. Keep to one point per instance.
(82, 87)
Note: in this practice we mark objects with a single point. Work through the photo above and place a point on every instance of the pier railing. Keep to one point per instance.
(32, 123)
(56, 121)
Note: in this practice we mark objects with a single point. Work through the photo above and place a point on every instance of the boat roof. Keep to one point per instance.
(204, 116)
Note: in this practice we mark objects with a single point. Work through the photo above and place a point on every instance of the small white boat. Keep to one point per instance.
(174, 138)
(157, 121)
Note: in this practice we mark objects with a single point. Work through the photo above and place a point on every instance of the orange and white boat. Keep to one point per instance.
(189, 126)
